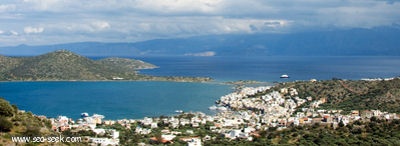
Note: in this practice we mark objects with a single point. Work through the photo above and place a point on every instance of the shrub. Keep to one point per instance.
(5, 124)
(5, 108)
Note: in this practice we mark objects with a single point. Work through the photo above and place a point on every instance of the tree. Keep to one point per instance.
(5, 124)
(5, 108)
(341, 124)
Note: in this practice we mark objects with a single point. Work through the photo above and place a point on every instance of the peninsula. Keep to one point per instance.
(63, 65)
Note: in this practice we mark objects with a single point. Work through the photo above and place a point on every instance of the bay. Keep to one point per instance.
(115, 100)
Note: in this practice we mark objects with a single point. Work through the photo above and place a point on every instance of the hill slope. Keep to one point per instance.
(348, 95)
(65, 65)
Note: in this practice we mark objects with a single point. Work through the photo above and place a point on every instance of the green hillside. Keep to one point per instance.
(65, 65)
(347, 95)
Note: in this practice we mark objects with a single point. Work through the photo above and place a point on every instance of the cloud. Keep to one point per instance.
(178, 6)
(136, 20)
(30, 30)
(14, 33)
(202, 54)
(100, 25)
(7, 7)
(44, 5)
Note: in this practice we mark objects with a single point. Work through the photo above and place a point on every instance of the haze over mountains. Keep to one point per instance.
(381, 41)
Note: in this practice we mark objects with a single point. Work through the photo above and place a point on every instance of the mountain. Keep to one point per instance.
(65, 65)
(382, 41)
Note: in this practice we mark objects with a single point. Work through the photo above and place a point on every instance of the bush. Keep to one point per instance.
(5, 108)
(5, 124)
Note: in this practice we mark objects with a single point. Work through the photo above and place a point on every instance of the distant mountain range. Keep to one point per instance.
(383, 41)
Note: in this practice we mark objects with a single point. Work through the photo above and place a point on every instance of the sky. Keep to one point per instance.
(42, 22)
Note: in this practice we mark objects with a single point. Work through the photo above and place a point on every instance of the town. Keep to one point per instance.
(241, 115)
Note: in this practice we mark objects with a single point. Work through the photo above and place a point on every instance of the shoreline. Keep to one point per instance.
(233, 90)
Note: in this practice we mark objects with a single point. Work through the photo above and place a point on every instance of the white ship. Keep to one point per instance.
(284, 76)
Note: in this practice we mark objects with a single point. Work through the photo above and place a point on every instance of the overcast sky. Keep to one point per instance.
(36, 22)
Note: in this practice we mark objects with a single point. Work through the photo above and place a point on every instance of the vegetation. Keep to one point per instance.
(376, 132)
(348, 95)
(18, 123)
(65, 65)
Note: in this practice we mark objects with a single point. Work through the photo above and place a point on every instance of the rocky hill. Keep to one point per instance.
(348, 95)
(65, 65)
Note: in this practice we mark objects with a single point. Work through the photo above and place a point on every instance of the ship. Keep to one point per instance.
(284, 76)
(178, 111)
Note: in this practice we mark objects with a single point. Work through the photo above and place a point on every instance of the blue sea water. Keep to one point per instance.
(270, 68)
(115, 100)
(118, 100)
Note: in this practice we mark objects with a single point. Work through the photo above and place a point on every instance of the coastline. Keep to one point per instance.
(246, 115)
(156, 78)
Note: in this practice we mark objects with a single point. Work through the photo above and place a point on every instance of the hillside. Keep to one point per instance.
(14, 122)
(126, 64)
(65, 65)
(348, 95)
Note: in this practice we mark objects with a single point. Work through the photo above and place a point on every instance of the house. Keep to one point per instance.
(165, 131)
(316, 120)
(367, 114)
(327, 118)
(147, 121)
(195, 125)
(99, 131)
(104, 141)
(154, 125)
(195, 142)
(233, 134)
(97, 118)
(355, 113)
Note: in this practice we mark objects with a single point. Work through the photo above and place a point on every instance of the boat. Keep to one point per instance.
(179, 111)
(284, 76)
(213, 107)
(84, 115)
(222, 108)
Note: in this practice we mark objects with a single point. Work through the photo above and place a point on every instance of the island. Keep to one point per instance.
(63, 65)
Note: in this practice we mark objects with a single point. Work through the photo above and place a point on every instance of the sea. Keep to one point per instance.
(138, 99)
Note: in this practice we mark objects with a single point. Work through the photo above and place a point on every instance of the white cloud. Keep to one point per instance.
(179, 6)
(133, 20)
(100, 25)
(202, 54)
(14, 33)
(30, 30)
(44, 5)
(7, 7)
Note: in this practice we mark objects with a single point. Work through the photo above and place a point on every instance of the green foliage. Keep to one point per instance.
(65, 65)
(32, 131)
(5, 124)
(382, 133)
(5, 108)
(351, 95)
